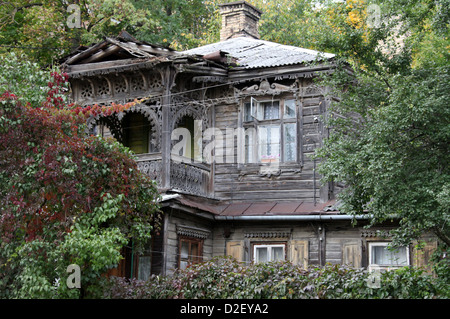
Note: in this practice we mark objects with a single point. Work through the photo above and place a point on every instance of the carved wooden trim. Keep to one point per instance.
(152, 169)
(266, 88)
(193, 232)
(267, 234)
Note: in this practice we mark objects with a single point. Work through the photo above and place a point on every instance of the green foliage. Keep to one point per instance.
(286, 22)
(389, 132)
(66, 197)
(393, 141)
(224, 277)
(25, 78)
(41, 30)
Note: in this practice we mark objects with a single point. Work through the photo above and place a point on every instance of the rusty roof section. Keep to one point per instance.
(261, 208)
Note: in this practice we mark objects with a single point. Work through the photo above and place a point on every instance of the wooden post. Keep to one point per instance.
(168, 78)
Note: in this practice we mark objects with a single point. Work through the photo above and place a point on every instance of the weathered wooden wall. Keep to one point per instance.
(174, 218)
(296, 181)
(335, 242)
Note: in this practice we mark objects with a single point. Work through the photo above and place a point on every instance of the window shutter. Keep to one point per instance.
(235, 250)
(299, 253)
(421, 257)
(351, 255)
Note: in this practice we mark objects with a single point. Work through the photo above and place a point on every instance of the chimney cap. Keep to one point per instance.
(235, 3)
(239, 18)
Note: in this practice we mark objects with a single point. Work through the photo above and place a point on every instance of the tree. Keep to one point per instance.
(66, 197)
(47, 30)
(285, 22)
(389, 132)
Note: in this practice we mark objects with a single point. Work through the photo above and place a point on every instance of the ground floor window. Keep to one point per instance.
(381, 256)
(269, 252)
(144, 267)
(190, 252)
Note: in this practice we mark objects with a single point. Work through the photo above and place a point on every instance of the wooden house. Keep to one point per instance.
(227, 131)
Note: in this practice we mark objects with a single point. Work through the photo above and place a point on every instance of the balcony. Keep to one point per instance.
(184, 175)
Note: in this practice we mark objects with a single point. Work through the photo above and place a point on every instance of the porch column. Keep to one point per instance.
(168, 73)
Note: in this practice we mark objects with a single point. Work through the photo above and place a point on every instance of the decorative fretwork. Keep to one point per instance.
(312, 90)
(180, 110)
(151, 168)
(266, 88)
(189, 178)
(267, 234)
(137, 83)
(220, 95)
(192, 232)
(120, 85)
(103, 89)
(154, 81)
(153, 115)
(86, 90)
(114, 124)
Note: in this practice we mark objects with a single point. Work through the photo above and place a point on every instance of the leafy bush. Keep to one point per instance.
(224, 277)
(66, 197)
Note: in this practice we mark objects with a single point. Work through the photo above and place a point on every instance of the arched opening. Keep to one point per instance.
(136, 131)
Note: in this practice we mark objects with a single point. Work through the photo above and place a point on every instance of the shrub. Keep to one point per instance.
(224, 277)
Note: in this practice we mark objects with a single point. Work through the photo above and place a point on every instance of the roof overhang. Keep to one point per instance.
(257, 211)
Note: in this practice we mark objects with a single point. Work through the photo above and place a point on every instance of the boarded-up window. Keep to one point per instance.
(235, 249)
(298, 253)
(351, 254)
(422, 257)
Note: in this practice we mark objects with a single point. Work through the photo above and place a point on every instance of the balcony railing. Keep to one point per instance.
(185, 175)
(151, 165)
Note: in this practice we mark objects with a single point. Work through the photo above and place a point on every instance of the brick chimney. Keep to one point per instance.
(239, 19)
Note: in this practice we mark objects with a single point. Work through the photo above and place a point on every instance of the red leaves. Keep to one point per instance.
(49, 196)
(55, 172)
(56, 91)
(96, 110)
(8, 96)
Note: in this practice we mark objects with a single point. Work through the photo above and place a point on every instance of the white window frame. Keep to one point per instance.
(373, 266)
(258, 123)
(269, 251)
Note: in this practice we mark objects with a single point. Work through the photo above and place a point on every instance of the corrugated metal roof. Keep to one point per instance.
(254, 53)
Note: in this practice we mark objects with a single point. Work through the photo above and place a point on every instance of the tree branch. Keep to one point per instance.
(442, 236)
(29, 6)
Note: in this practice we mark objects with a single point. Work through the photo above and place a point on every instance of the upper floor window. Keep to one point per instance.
(270, 131)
